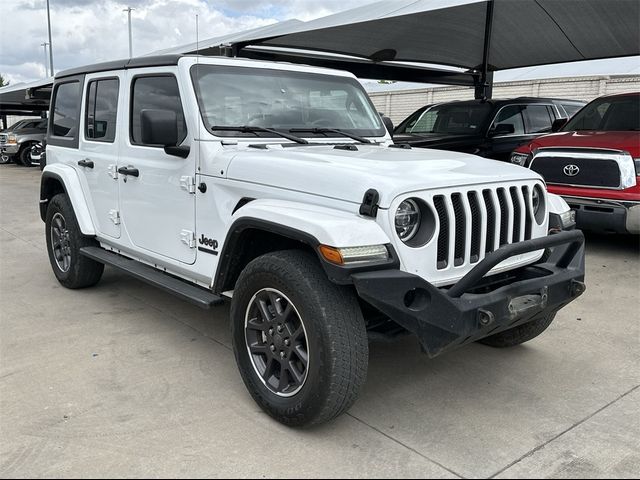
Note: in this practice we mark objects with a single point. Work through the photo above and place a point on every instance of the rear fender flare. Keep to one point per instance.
(68, 179)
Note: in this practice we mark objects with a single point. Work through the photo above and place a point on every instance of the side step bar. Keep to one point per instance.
(194, 294)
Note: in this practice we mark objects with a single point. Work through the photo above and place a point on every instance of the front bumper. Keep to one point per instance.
(10, 149)
(479, 306)
(606, 215)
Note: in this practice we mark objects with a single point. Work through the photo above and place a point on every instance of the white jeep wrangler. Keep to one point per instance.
(278, 188)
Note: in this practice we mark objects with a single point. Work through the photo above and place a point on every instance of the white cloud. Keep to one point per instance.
(92, 31)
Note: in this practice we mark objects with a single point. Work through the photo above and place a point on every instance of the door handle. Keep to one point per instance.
(129, 170)
(86, 163)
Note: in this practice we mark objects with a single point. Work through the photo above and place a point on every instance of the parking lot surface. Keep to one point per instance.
(125, 380)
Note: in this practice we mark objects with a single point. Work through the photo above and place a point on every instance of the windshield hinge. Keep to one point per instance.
(188, 183)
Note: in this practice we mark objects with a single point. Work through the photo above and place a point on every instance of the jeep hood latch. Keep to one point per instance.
(369, 205)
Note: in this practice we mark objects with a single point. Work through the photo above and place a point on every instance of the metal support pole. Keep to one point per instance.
(46, 67)
(484, 89)
(50, 44)
(128, 10)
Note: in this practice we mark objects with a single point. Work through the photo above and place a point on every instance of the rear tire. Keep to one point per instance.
(64, 241)
(275, 296)
(520, 334)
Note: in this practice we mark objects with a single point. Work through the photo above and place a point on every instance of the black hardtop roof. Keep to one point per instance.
(136, 62)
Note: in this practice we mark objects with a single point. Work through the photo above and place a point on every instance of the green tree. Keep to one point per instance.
(3, 81)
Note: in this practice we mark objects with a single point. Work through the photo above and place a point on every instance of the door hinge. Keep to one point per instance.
(188, 238)
(113, 171)
(114, 215)
(188, 183)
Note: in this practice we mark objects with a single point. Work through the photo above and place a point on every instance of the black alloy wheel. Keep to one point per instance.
(276, 341)
(61, 243)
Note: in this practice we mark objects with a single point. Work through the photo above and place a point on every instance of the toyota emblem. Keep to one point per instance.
(571, 170)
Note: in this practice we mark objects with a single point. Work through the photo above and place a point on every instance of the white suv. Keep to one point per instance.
(277, 187)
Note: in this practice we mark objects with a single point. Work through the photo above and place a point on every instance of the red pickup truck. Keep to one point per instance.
(593, 162)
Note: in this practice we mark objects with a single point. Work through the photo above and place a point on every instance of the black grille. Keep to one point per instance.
(517, 214)
(597, 172)
(469, 220)
(504, 217)
(461, 230)
(443, 237)
(491, 221)
(528, 217)
(476, 225)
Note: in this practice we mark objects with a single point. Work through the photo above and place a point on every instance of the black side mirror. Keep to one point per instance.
(558, 123)
(388, 123)
(160, 127)
(503, 129)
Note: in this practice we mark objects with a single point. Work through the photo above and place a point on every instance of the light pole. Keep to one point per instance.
(45, 57)
(50, 44)
(128, 10)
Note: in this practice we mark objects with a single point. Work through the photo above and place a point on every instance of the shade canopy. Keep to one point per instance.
(454, 32)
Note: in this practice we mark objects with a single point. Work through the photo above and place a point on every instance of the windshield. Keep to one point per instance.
(608, 114)
(452, 119)
(282, 100)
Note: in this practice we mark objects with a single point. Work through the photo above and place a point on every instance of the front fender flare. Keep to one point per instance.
(68, 179)
(310, 224)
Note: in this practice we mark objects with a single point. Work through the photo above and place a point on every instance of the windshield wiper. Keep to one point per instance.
(325, 130)
(255, 129)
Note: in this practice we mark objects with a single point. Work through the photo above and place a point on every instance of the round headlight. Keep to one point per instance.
(407, 220)
(537, 200)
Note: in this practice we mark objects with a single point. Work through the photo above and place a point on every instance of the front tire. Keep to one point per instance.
(24, 156)
(300, 341)
(520, 334)
(64, 241)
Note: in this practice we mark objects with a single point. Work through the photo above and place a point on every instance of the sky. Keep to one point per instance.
(90, 31)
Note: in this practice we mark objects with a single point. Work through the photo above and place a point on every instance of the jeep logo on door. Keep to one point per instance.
(571, 170)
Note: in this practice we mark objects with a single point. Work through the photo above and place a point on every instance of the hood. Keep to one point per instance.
(626, 141)
(346, 175)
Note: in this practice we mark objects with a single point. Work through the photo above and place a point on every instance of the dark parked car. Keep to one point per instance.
(17, 140)
(492, 128)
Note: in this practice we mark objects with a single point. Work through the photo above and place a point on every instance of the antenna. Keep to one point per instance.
(197, 37)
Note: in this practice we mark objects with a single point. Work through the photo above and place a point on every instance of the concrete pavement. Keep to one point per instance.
(124, 380)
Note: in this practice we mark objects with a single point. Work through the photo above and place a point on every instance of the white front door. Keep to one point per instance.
(157, 208)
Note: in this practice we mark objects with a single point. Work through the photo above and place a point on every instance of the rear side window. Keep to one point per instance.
(511, 114)
(66, 110)
(538, 118)
(102, 110)
(155, 93)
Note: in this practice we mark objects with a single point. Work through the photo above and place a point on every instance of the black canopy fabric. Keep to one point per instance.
(453, 32)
